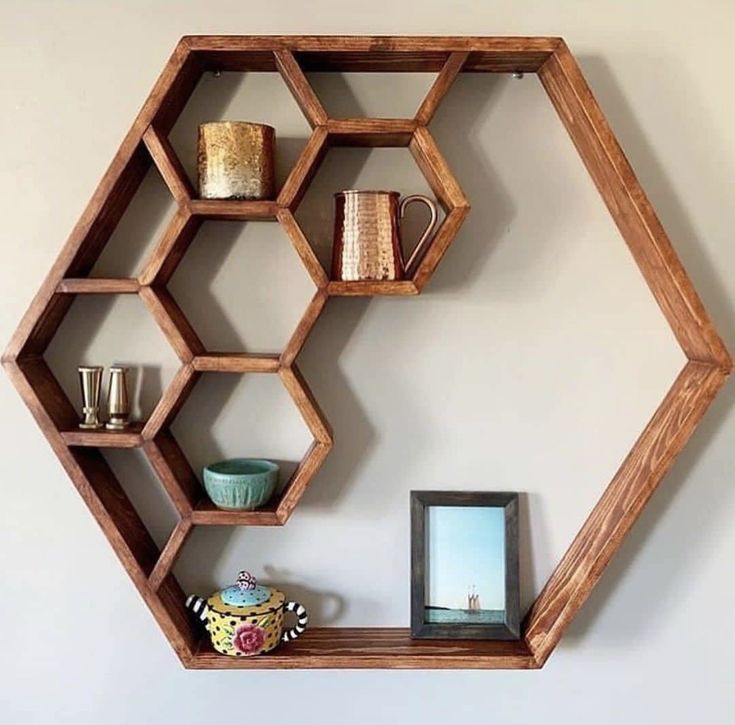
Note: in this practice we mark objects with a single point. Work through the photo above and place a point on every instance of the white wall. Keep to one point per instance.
(531, 363)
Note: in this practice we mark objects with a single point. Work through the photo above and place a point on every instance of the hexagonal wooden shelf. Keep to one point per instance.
(707, 367)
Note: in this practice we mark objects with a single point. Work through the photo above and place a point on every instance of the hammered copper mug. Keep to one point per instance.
(367, 238)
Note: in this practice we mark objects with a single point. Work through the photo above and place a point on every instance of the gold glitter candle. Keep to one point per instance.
(235, 160)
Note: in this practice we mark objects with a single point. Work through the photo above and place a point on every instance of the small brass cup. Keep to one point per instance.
(235, 160)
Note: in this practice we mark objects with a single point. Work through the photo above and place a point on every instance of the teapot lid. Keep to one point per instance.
(246, 592)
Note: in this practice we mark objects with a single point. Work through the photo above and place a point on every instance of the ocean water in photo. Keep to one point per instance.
(464, 616)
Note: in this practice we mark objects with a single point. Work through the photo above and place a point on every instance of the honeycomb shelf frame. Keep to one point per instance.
(707, 366)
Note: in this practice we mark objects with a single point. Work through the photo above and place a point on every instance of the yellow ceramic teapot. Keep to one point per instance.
(247, 619)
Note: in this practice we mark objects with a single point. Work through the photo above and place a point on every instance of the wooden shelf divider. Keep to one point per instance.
(80, 452)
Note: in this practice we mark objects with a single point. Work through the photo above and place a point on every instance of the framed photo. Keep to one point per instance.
(464, 565)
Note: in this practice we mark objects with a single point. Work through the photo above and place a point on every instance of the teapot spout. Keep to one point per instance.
(198, 606)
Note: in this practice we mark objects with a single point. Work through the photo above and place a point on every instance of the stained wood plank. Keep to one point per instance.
(172, 321)
(436, 170)
(631, 209)
(241, 210)
(371, 132)
(304, 399)
(170, 553)
(42, 393)
(97, 286)
(174, 472)
(304, 169)
(171, 401)
(443, 82)
(371, 288)
(620, 505)
(372, 648)
(300, 88)
(372, 53)
(301, 478)
(168, 165)
(207, 514)
(131, 437)
(171, 248)
(303, 248)
(306, 324)
(222, 362)
(443, 237)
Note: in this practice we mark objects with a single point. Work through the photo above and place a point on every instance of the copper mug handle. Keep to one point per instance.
(429, 227)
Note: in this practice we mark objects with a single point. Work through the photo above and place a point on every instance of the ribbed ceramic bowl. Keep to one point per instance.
(241, 484)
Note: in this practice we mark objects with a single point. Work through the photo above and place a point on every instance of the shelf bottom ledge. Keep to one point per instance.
(373, 648)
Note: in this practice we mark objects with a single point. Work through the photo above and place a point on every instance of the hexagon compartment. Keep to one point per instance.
(707, 367)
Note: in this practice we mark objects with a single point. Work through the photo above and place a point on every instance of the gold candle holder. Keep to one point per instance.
(235, 160)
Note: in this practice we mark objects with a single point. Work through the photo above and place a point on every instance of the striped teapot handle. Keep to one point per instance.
(302, 621)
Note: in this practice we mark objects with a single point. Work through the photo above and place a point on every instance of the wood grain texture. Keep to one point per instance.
(170, 249)
(631, 210)
(304, 399)
(174, 472)
(301, 479)
(300, 88)
(241, 210)
(42, 394)
(97, 286)
(443, 237)
(224, 362)
(370, 132)
(131, 437)
(172, 321)
(620, 505)
(373, 288)
(171, 401)
(304, 169)
(371, 53)
(303, 248)
(205, 513)
(436, 170)
(169, 166)
(443, 82)
(372, 648)
(170, 553)
(306, 324)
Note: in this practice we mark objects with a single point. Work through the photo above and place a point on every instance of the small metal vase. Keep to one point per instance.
(90, 380)
(235, 160)
(118, 403)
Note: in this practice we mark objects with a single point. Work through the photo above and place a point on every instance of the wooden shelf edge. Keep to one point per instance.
(205, 513)
(373, 648)
(234, 209)
(223, 362)
(400, 288)
(131, 437)
(98, 286)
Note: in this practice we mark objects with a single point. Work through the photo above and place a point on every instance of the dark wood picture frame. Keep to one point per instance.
(510, 629)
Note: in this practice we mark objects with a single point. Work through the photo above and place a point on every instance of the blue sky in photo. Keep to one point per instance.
(465, 547)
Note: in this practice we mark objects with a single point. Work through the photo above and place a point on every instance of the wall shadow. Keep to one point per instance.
(456, 128)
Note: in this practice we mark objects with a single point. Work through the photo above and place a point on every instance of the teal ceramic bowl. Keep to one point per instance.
(240, 484)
